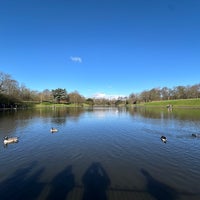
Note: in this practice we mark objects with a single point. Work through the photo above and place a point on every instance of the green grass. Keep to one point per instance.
(48, 104)
(175, 103)
(191, 103)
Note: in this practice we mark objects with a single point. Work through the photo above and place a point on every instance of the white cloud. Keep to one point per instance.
(107, 96)
(99, 95)
(76, 59)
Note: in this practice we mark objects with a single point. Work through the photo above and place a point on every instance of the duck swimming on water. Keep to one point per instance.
(163, 138)
(8, 140)
(195, 135)
(53, 130)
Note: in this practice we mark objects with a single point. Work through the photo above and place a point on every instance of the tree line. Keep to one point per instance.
(13, 94)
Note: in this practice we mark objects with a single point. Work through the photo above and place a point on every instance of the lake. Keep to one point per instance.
(100, 154)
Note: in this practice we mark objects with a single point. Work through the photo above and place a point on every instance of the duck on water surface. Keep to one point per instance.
(8, 140)
(163, 138)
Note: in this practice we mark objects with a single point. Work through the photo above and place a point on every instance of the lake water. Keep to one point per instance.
(100, 154)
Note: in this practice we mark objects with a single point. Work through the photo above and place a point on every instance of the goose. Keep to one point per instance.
(8, 140)
(164, 139)
(53, 130)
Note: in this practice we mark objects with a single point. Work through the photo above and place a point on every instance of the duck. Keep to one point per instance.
(195, 135)
(163, 138)
(53, 130)
(8, 140)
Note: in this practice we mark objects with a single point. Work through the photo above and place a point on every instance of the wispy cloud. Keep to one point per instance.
(76, 59)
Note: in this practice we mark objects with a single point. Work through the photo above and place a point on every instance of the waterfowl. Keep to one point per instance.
(8, 140)
(53, 130)
(195, 135)
(164, 139)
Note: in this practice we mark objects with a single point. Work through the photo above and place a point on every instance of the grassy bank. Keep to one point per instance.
(47, 104)
(190, 103)
(176, 103)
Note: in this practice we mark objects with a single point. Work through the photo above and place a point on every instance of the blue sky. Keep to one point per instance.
(107, 47)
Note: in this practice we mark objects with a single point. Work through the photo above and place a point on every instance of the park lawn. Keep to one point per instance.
(175, 103)
(190, 103)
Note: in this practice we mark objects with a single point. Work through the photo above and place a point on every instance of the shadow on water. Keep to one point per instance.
(96, 182)
(62, 184)
(22, 185)
(157, 189)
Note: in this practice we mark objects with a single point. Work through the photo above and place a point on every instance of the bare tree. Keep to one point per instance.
(8, 85)
(46, 95)
(75, 97)
(145, 96)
